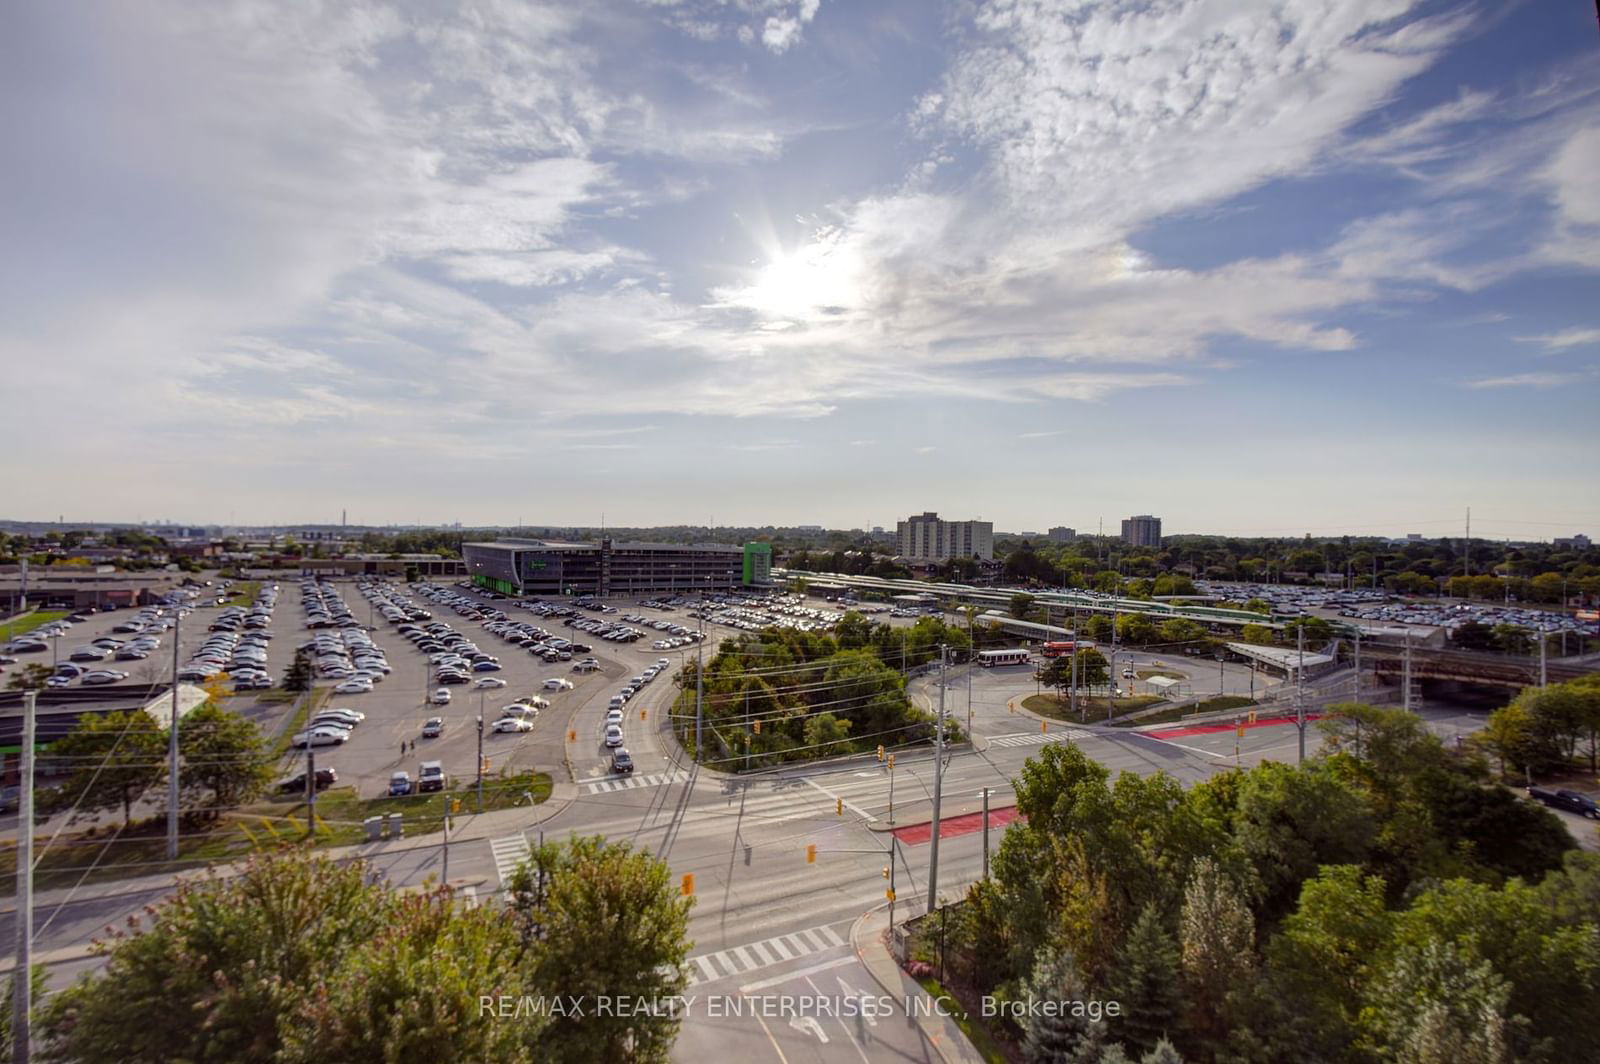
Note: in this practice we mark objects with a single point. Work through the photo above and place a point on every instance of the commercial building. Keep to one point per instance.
(758, 565)
(547, 569)
(1062, 534)
(1577, 542)
(927, 538)
(1142, 530)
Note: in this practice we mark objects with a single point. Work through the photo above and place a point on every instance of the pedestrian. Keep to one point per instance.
(402, 748)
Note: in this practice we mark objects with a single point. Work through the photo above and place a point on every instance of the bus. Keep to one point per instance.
(1060, 648)
(990, 658)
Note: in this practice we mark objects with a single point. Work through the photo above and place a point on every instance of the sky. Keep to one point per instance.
(1253, 266)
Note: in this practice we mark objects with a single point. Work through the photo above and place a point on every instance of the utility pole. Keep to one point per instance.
(1300, 694)
(1072, 676)
(480, 762)
(938, 785)
(1358, 664)
(1405, 675)
(1544, 678)
(172, 749)
(21, 975)
(311, 789)
(699, 681)
(445, 845)
(986, 833)
(972, 659)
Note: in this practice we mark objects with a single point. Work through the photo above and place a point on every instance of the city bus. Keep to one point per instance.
(1063, 647)
(990, 658)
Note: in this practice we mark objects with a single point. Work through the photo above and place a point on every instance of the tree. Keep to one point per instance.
(416, 992)
(36, 997)
(1317, 629)
(1181, 630)
(1021, 604)
(1093, 669)
(1057, 1035)
(1218, 946)
(113, 759)
(1473, 635)
(1136, 629)
(1257, 635)
(29, 678)
(1513, 735)
(1292, 820)
(828, 734)
(298, 675)
(1098, 628)
(1145, 983)
(224, 756)
(1513, 639)
(603, 919)
(1437, 1005)
(225, 963)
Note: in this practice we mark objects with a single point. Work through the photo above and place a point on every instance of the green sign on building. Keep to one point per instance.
(757, 564)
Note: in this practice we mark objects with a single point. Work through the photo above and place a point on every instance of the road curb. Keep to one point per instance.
(946, 1038)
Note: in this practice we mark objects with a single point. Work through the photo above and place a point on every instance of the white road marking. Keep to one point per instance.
(856, 809)
(750, 988)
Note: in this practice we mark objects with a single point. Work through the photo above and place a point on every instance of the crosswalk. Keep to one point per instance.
(624, 783)
(741, 960)
(1039, 738)
(508, 853)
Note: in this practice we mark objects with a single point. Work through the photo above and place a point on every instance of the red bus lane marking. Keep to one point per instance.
(1213, 729)
(950, 827)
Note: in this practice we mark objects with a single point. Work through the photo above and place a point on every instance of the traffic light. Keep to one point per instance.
(485, 767)
(1241, 730)
(838, 807)
(889, 894)
(642, 712)
(880, 751)
(1252, 716)
(455, 805)
(811, 853)
(572, 735)
(758, 727)
(885, 871)
(891, 761)
(688, 883)
(1044, 727)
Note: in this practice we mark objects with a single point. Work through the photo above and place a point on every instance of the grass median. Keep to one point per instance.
(28, 622)
(97, 855)
(1091, 708)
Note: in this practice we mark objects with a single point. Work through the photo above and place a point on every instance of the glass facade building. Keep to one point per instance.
(546, 569)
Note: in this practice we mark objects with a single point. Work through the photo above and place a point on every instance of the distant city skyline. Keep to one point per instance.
(1314, 268)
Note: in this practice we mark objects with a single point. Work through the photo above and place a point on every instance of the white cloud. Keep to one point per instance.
(1557, 341)
(1526, 380)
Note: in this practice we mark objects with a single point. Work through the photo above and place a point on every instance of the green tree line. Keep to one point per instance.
(1378, 903)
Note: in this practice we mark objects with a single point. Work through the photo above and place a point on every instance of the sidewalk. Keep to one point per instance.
(868, 938)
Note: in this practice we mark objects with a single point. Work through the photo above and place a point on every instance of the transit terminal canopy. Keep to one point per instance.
(1286, 658)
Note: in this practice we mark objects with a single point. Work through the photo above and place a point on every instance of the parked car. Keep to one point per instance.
(326, 777)
(513, 724)
(1571, 801)
(99, 676)
(322, 735)
(557, 683)
(441, 697)
(433, 728)
(431, 777)
(488, 683)
(399, 783)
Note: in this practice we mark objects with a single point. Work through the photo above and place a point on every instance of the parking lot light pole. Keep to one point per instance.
(480, 754)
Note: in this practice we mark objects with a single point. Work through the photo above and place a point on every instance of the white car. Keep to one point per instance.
(519, 709)
(99, 676)
(613, 735)
(556, 683)
(353, 687)
(440, 697)
(490, 683)
(613, 716)
(513, 724)
(322, 736)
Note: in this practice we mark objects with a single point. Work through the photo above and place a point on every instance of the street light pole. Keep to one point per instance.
(938, 786)
(480, 756)
(172, 751)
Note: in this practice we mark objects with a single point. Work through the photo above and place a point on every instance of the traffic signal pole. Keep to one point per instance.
(938, 786)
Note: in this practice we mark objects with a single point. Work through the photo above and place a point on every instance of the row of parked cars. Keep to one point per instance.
(621, 760)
